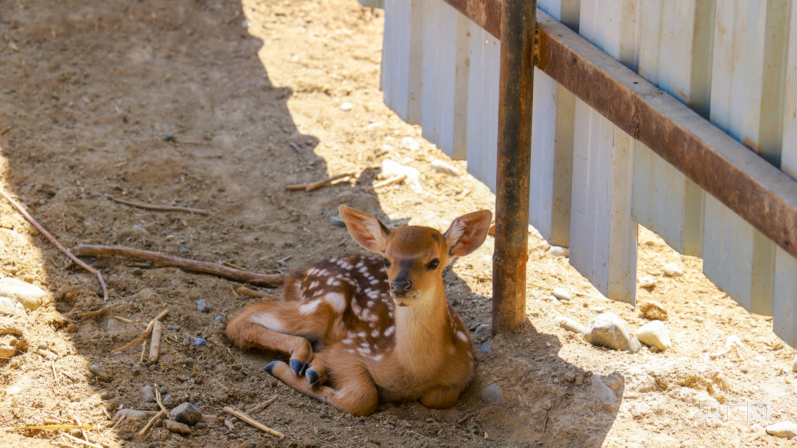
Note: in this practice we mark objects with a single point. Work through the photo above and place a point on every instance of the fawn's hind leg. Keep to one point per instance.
(352, 389)
(280, 327)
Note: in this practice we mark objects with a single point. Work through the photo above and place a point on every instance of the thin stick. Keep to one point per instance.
(146, 333)
(151, 421)
(158, 208)
(143, 350)
(392, 180)
(250, 292)
(262, 406)
(118, 420)
(83, 442)
(230, 265)
(268, 280)
(321, 183)
(252, 422)
(155, 344)
(123, 319)
(52, 427)
(55, 242)
(55, 375)
(97, 313)
(296, 187)
(74, 416)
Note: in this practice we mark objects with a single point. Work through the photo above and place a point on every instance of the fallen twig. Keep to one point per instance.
(55, 242)
(97, 313)
(252, 422)
(262, 406)
(123, 319)
(159, 208)
(230, 265)
(268, 280)
(321, 183)
(146, 333)
(150, 422)
(252, 293)
(51, 427)
(155, 344)
(390, 181)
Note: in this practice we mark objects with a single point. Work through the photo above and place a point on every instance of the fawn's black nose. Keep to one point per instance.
(401, 287)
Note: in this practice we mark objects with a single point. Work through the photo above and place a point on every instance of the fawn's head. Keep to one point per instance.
(415, 256)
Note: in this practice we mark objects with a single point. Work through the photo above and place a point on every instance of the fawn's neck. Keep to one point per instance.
(420, 333)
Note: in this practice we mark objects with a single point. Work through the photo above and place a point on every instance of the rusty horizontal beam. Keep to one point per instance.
(760, 193)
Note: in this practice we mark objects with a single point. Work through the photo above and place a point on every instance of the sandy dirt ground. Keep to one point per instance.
(220, 105)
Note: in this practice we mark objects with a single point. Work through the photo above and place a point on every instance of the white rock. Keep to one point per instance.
(438, 166)
(8, 306)
(733, 341)
(609, 330)
(375, 124)
(794, 366)
(597, 309)
(391, 168)
(758, 429)
(28, 295)
(346, 106)
(655, 333)
(561, 294)
(570, 325)
(557, 251)
(761, 358)
(785, 430)
(410, 143)
(673, 270)
(387, 148)
(647, 282)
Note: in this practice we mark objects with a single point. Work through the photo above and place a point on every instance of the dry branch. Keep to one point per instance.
(253, 422)
(321, 183)
(243, 290)
(55, 242)
(155, 345)
(159, 208)
(392, 180)
(97, 313)
(150, 422)
(261, 406)
(267, 280)
(146, 333)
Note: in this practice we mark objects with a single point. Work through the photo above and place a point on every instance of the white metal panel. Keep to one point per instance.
(552, 143)
(402, 58)
(785, 300)
(482, 130)
(460, 137)
(602, 233)
(674, 54)
(747, 89)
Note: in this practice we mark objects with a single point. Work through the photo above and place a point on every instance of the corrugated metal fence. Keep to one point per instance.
(734, 62)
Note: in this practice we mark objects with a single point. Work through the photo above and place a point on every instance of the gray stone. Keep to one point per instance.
(28, 295)
(784, 430)
(337, 221)
(561, 294)
(163, 390)
(493, 394)
(101, 374)
(571, 325)
(608, 330)
(149, 394)
(438, 166)
(167, 399)
(485, 348)
(203, 306)
(484, 329)
(131, 414)
(200, 342)
(187, 413)
(603, 392)
(559, 252)
(9, 307)
(655, 334)
(177, 427)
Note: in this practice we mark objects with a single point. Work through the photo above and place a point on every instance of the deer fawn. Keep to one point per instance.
(362, 329)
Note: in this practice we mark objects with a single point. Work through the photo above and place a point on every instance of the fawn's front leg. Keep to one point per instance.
(352, 389)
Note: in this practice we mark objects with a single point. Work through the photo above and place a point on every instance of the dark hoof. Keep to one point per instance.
(298, 367)
(270, 367)
(313, 378)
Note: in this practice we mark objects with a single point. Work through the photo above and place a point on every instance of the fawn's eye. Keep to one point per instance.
(387, 263)
(433, 264)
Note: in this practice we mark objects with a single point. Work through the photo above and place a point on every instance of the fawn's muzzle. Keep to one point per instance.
(401, 287)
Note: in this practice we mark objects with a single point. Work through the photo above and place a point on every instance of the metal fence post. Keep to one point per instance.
(518, 21)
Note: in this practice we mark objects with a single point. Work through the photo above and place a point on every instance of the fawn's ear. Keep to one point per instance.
(368, 231)
(468, 232)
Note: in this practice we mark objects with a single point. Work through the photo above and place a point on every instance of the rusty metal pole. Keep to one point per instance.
(516, 87)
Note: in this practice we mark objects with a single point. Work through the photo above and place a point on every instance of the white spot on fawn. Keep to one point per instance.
(462, 336)
(390, 330)
(337, 301)
(267, 320)
(378, 357)
(375, 334)
(309, 308)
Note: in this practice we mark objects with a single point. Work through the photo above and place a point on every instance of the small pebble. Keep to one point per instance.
(167, 399)
(784, 430)
(438, 166)
(794, 366)
(187, 413)
(337, 221)
(346, 106)
(149, 394)
(485, 348)
(609, 330)
(28, 295)
(758, 429)
(673, 270)
(597, 309)
(163, 390)
(484, 329)
(202, 306)
(169, 138)
(218, 319)
(178, 427)
(571, 325)
(101, 374)
(761, 358)
(653, 310)
(493, 394)
(188, 361)
(136, 371)
(184, 249)
(561, 294)
(200, 342)
(559, 252)
(647, 282)
(410, 143)
(655, 333)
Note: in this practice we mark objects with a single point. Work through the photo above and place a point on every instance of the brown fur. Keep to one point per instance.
(369, 344)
